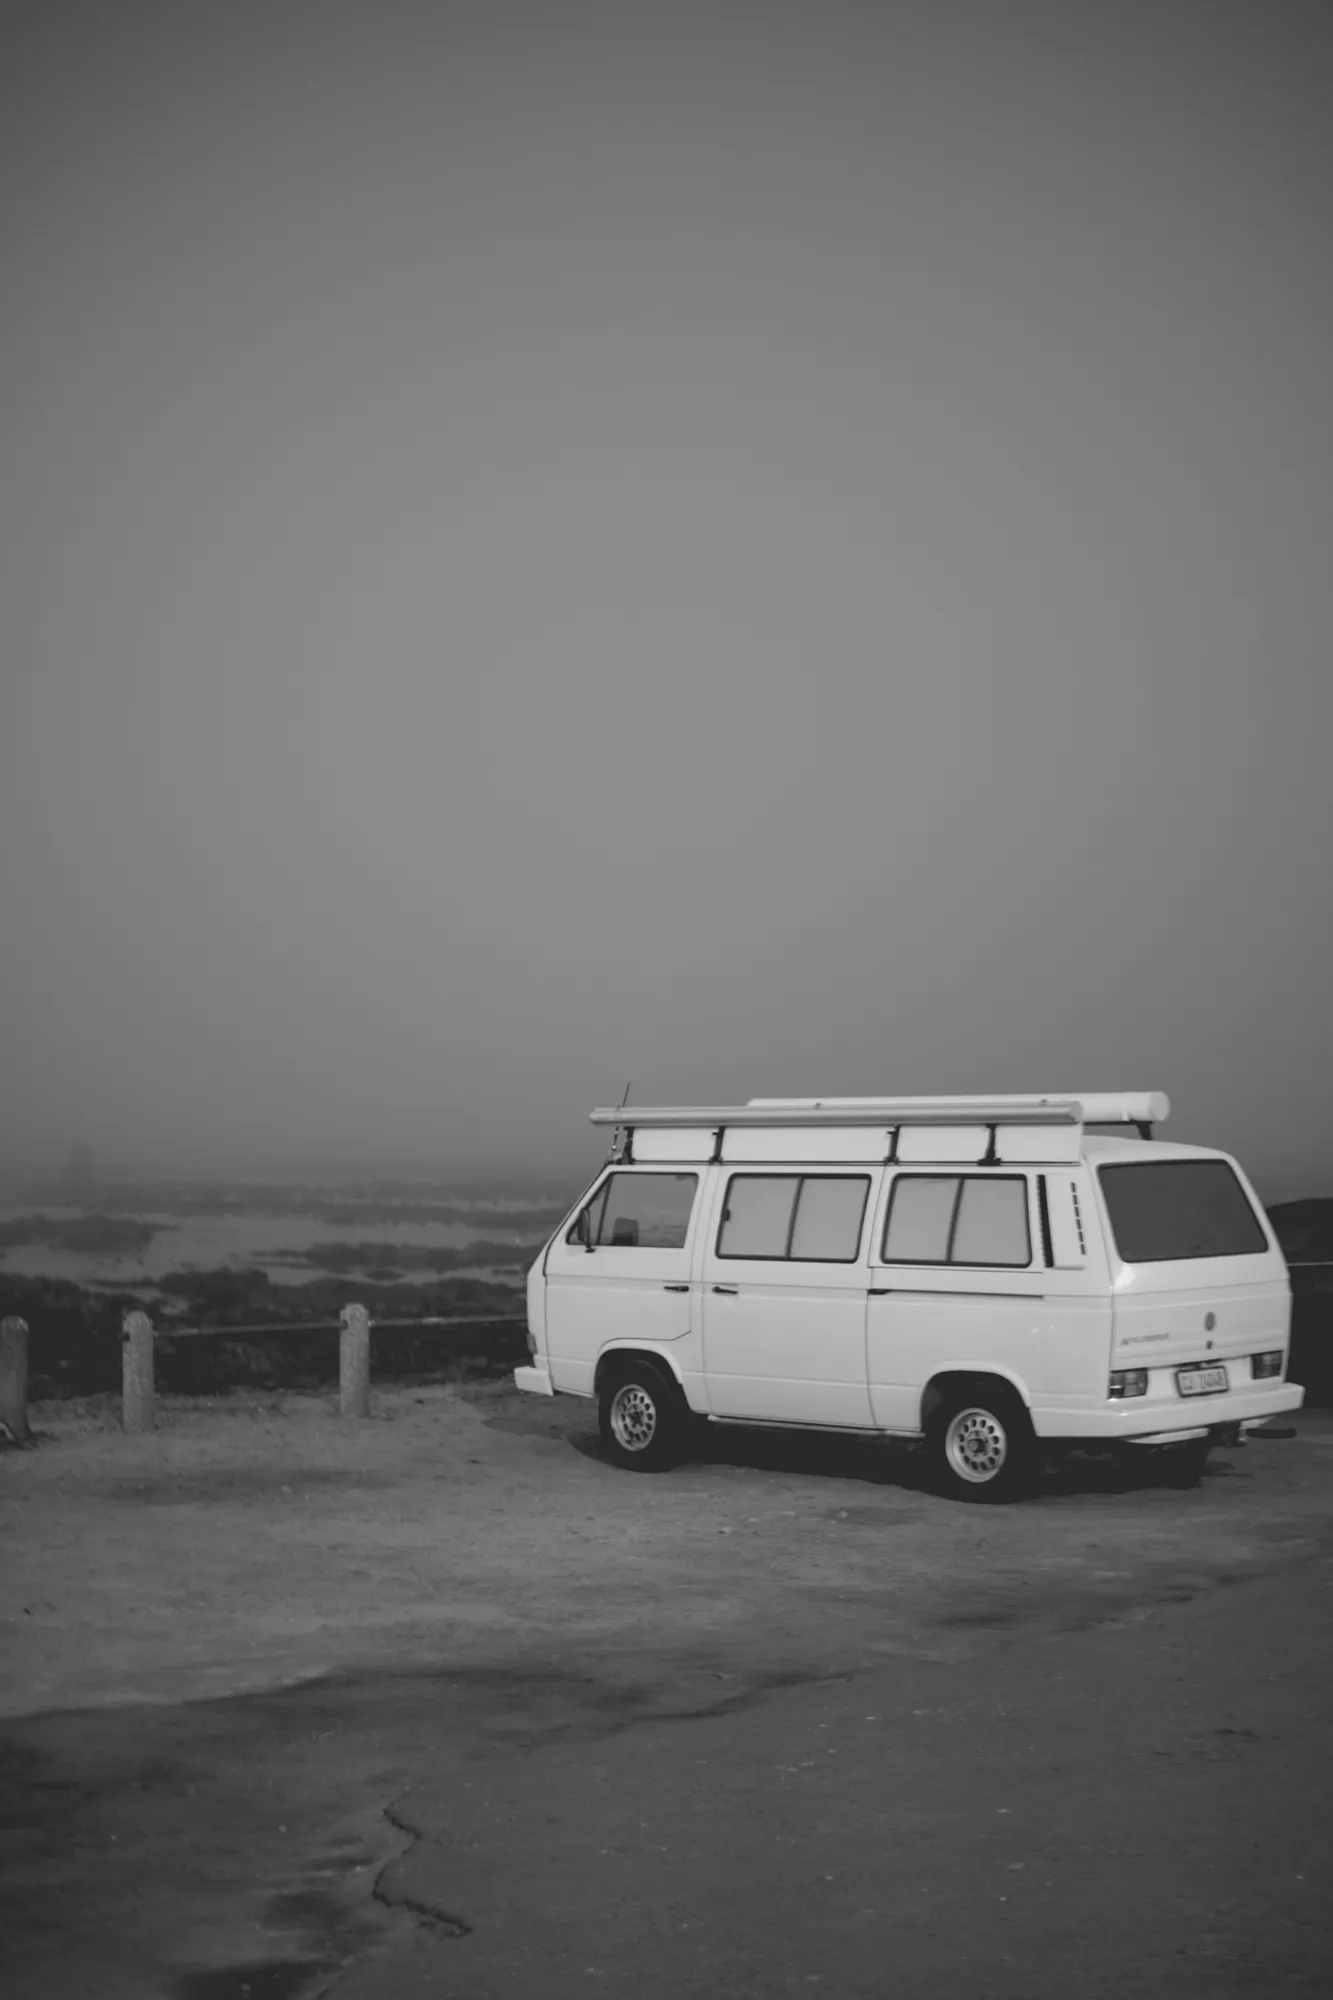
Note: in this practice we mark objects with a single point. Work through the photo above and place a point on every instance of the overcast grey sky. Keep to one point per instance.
(759, 549)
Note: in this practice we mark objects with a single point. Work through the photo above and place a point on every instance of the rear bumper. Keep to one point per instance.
(1146, 1420)
(1224, 1433)
(537, 1381)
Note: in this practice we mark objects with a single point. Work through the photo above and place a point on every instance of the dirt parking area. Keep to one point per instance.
(313, 1623)
(250, 1542)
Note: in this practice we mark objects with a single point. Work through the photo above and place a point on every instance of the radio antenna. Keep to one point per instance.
(616, 1152)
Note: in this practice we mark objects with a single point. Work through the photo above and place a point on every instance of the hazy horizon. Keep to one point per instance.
(583, 1153)
(755, 550)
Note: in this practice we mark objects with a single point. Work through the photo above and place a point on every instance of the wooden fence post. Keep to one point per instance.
(354, 1362)
(14, 1378)
(136, 1402)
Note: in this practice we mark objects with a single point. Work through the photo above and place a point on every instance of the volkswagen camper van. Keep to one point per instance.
(989, 1278)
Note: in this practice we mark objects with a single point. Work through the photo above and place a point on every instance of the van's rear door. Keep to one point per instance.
(1198, 1280)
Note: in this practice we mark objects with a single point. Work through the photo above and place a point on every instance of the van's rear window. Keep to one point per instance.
(1163, 1210)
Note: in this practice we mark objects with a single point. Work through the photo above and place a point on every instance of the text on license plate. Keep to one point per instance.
(1201, 1381)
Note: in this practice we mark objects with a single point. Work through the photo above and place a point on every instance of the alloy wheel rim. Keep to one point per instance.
(633, 1417)
(976, 1446)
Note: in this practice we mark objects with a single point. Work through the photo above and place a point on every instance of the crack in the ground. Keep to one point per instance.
(448, 1921)
(427, 1913)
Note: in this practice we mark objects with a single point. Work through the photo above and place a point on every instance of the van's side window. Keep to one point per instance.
(638, 1212)
(958, 1219)
(815, 1218)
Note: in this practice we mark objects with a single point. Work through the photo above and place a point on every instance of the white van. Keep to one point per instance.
(985, 1276)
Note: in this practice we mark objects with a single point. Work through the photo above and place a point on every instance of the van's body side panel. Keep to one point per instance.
(1077, 1319)
(915, 1334)
(784, 1341)
(689, 1358)
(925, 1320)
(630, 1296)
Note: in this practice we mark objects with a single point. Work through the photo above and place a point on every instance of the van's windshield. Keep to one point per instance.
(1167, 1209)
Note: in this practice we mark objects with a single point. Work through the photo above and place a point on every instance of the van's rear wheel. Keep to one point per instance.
(641, 1417)
(982, 1444)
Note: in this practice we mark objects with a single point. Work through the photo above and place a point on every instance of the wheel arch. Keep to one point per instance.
(964, 1379)
(635, 1350)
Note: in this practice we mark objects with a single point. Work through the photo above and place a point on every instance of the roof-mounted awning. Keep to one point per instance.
(1134, 1107)
(993, 1131)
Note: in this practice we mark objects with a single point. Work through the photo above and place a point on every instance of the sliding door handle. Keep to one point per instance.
(728, 1290)
(879, 1291)
(675, 1288)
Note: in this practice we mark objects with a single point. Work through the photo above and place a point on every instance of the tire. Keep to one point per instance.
(983, 1447)
(641, 1416)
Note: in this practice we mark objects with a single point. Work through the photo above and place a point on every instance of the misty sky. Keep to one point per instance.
(760, 550)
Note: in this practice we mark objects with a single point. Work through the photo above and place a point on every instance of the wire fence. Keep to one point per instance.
(293, 1326)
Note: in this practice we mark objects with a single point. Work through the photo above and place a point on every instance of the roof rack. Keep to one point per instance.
(1138, 1107)
(993, 1131)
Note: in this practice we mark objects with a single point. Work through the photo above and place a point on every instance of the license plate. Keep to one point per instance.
(1201, 1381)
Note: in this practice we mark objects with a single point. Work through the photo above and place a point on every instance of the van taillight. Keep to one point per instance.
(1128, 1382)
(1266, 1364)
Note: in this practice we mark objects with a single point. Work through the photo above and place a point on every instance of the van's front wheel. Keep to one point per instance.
(641, 1417)
(982, 1445)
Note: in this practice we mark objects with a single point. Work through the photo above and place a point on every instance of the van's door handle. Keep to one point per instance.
(879, 1291)
(730, 1290)
(675, 1288)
